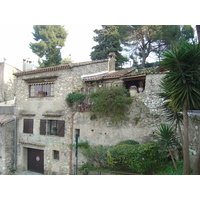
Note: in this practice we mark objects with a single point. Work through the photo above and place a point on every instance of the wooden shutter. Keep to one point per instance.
(28, 126)
(43, 127)
(61, 127)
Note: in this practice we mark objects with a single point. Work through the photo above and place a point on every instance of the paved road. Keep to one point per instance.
(28, 173)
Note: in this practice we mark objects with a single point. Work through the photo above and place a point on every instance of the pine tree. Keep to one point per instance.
(108, 39)
(49, 41)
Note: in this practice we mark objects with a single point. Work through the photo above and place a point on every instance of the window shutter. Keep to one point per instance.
(28, 126)
(43, 127)
(61, 127)
(25, 126)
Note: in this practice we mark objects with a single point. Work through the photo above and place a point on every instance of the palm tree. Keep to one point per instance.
(167, 140)
(182, 85)
(172, 115)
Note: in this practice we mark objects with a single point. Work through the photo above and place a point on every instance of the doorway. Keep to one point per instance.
(36, 160)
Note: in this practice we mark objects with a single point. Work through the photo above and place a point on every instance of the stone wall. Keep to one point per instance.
(7, 81)
(140, 127)
(149, 96)
(6, 147)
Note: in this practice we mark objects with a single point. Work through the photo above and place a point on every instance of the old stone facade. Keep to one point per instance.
(7, 82)
(43, 117)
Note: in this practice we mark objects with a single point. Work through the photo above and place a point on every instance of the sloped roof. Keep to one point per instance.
(126, 73)
(5, 119)
(59, 67)
(111, 75)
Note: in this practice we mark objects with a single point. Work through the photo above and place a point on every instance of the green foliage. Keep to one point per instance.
(83, 145)
(168, 169)
(131, 142)
(49, 41)
(108, 39)
(96, 156)
(182, 83)
(73, 98)
(145, 39)
(111, 102)
(166, 137)
(141, 159)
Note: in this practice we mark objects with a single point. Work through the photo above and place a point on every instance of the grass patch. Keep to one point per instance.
(168, 169)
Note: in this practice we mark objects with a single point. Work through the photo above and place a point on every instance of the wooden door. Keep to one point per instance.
(36, 160)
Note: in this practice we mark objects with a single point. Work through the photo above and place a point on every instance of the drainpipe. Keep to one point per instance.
(15, 144)
(15, 138)
(71, 142)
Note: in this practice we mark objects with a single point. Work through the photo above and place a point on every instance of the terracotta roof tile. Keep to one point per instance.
(125, 73)
(58, 67)
(116, 74)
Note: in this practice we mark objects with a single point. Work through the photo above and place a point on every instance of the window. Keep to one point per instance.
(46, 89)
(28, 126)
(56, 155)
(139, 82)
(52, 127)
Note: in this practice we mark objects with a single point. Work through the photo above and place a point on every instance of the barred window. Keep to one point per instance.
(41, 89)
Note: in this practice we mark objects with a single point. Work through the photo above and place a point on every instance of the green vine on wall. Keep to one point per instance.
(112, 103)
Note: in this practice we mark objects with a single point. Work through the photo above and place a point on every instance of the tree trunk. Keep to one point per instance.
(180, 132)
(144, 57)
(186, 156)
(174, 163)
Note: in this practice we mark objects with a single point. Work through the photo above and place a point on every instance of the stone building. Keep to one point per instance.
(47, 127)
(7, 82)
(43, 117)
(7, 127)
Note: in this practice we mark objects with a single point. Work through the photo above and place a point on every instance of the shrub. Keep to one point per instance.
(141, 159)
(111, 102)
(96, 156)
(132, 142)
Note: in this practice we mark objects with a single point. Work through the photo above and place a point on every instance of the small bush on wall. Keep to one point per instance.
(111, 102)
(75, 98)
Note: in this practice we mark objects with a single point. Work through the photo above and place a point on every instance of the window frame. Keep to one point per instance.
(56, 155)
(46, 127)
(47, 87)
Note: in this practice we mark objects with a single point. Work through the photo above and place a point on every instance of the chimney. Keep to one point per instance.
(111, 62)
(28, 65)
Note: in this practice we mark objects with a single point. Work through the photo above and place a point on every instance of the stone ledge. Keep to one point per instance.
(32, 143)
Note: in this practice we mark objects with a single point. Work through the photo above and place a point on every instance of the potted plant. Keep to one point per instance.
(100, 84)
(95, 84)
(41, 93)
(133, 90)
